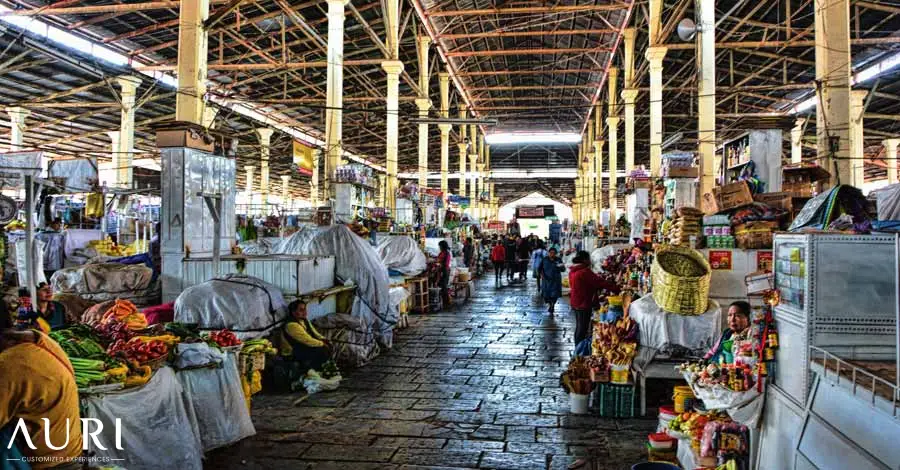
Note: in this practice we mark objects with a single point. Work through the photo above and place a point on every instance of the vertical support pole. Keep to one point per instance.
(655, 56)
(17, 117)
(249, 171)
(598, 157)
(612, 125)
(444, 84)
(797, 141)
(424, 104)
(192, 48)
(334, 92)
(590, 156)
(314, 181)
(463, 146)
(29, 235)
(629, 95)
(857, 144)
(473, 158)
(890, 153)
(124, 154)
(113, 151)
(285, 190)
(265, 140)
(706, 95)
(209, 117)
(393, 69)
(832, 29)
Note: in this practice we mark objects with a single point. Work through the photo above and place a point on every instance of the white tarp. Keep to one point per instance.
(248, 306)
(402, 254)
(37, 251)
(356, 262)
(743, 407)
(662, 330)
(218, 403)
(599, 255)
(106, 278)
(888, 202)
(157, 429)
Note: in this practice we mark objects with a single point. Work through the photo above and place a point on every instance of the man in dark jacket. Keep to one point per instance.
(510, 245)
(468, 251)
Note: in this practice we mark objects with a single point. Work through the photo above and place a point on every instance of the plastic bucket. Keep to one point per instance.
(654, 466)
(683, 397)
(618, 373)
(578, 404)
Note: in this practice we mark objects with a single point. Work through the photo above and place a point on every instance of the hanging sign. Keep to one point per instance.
(525, 212)
(720, 260)
(303, 156)
(14, 165)
(764, 261)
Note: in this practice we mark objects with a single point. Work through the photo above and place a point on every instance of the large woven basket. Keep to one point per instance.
(684, 295)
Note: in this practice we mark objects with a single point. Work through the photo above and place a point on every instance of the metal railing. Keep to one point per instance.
(857, 375)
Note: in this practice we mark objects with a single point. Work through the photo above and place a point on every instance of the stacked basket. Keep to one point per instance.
(680, 280)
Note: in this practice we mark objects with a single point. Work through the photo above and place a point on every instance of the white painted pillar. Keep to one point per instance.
(797, 141)
(393, 69)
(334, 92)
(629, 95)
(265, 140)
(473, 160)
(857, 142)
(444, 83)
(209, 117)
(706, 95)
(114, 148)
(424, 104)
(122, 159)
(655, 56)
(463, 152)
(314, 198)
(890, 153)
(192, 52)
(249, 170)
(598, 159)
(17, 117)
(612, 124)
(832, 29)
(285, 190)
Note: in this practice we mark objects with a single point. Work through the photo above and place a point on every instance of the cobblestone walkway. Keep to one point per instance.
(474, 387)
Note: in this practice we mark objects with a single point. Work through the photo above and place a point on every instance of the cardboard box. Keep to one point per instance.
(190, 138)
(728, 197)
(780, 200)
(690, 172)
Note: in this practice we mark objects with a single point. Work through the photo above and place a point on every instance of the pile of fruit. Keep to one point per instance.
(222, 339)
(136, 349)
(691, 424)
(113, 330)
(125, 312)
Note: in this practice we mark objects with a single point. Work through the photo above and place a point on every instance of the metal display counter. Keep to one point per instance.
(295, 275)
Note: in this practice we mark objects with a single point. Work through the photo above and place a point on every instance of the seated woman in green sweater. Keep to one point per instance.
(300, 342)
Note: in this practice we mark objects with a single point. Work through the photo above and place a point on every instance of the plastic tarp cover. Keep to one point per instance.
(79, 238)
(743, 407)
(158, 430)
(260, 246)
(402, 254)
(37, 249)
(599, 255)
(357, 262)
(218, 403)
(398, 295)
(108, 278)
(888, 202)
(661, 330)
(248, 306)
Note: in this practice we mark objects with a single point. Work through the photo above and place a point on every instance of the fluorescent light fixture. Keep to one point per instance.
(532, 138)
(864, 75)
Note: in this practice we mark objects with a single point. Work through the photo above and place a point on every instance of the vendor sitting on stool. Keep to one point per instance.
(301, 343)
(738, 330)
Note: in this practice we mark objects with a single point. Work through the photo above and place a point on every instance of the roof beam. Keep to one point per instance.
(784, 44)
(548, 10)
(576, 50)
(535, 87)
(525, 72)
(516, 34)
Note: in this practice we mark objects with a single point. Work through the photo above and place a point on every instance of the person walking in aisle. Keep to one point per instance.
(585, 285)
(537, 256)
(498, 257)
(551, 280)
(510, 246)
(523, 256)
(468, 252)
(445, 258)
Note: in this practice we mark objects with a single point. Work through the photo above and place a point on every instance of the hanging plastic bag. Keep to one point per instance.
(93, 205)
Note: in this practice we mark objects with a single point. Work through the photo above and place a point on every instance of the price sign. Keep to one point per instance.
(764, 261)
(720, 260)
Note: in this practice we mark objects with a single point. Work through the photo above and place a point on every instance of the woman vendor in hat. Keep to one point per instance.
(738, 330)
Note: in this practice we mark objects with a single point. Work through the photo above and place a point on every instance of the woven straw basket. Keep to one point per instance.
(684, 295)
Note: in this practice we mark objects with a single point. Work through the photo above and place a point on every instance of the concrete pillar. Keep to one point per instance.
(612, 124)
(655, 56)
(285, 190)
(832, 29)
(890, 154)
(334, 92)
(124, 154)
(444, 83)
(473, 158)
(314, 197)
(655, 21)
(629, 95)
(706, 95)
(797, 140)
(463, 154)
(249, 170)
(114, 148)
(393, 69)
(192, 48)
(857, 143)
(265, 140)
(424, 104)
(17, 117)
(209, 117)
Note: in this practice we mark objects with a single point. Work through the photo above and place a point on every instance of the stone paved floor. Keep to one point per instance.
(474, 387)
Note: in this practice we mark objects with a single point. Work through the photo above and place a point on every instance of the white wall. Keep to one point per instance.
(508, 211)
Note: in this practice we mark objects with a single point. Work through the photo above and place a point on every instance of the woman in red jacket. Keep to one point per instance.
(498, 257)
(584, 286)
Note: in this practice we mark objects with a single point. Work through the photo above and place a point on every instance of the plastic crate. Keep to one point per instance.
(614, 400)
